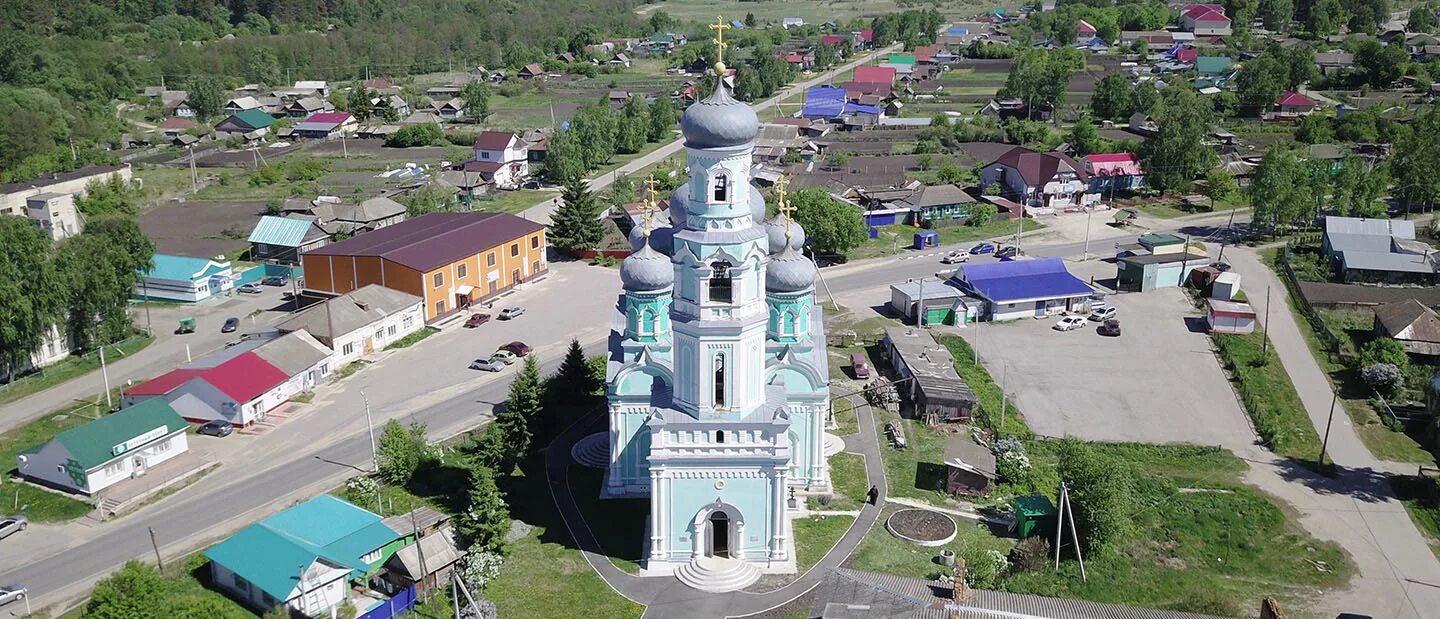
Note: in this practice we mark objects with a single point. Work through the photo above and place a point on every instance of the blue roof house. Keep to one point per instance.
(182, 278)
(1020, 288)
(303, 557)
(285, 238)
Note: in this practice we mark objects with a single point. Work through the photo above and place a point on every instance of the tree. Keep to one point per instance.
(1422, 19)
(574, 381)
(125, 234)
(1323, 17)
(431, 198)
(477, 100)
(1176, 154)
(1275, 14)
(357, 101)
(1415, 160)
(516, 421)
(1314, 129)
(1382, 377)
(1040, 78)
(634, 125)
(206, 96)
(662, 119)
(136, 591)
(1084, 138)
(32, 297)
(596, 128)
(1384, 350)
(1280, 191)
(576, 226)
(401, 451)
(951, 173)
(112, 195)
(1112, 99)
(750, 20)
(980, 214)
(98, 283)
(1357, 187)
(924, 161)
(564, 159)
(1145, 99)
(832, 227)
(1101, 491)
(487, 519)
(423, 134)
(1381, 64)
(1219, 185)
(1260, 83)
(836, 160)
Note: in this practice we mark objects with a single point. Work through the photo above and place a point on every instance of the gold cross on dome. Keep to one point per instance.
(720, 27)
(647, 207)
(784, 207)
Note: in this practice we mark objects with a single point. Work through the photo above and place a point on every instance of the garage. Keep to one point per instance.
(1229, 316)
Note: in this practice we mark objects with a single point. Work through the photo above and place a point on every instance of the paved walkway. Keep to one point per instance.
(1399, 576)
(667, 597)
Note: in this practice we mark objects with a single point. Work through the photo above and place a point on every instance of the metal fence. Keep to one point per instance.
(398, 605)
(1328, 340)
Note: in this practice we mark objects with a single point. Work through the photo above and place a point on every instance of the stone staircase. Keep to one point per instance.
(592, 451)
(717, 574)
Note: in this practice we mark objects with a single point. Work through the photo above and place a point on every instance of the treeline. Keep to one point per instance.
(82, 284)
(598, 132)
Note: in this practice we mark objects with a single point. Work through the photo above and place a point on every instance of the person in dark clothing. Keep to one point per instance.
(873, 496)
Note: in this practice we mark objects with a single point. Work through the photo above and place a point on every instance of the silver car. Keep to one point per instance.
(488, 365)
(12, 593)
(11, 525)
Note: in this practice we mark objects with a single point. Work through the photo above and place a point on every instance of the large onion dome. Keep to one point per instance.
(646, 270)
(719, 121)
(662, 239)
(775, 229)
(789, 272)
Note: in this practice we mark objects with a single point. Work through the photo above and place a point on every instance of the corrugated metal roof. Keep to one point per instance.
(1401, 228)
(281, 231)
(94, 443)
(1385, 261)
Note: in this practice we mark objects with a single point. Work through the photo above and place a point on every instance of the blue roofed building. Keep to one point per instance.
(831, 103)
(1020, 288)
(303, 557)
(185, 279)
(285, 238)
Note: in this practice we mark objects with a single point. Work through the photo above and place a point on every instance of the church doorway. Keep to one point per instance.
(719, 534)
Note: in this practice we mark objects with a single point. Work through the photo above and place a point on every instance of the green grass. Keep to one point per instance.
(815, 536)
(1171, 210)
(348, 369)
(985, 390)
(896, 239)
(846, 420)
(848, 482)
(1421, 497)
(884, 553)
(618, 524)
(71, 368)
(1269, 397)
(512, 202)
(411, 339)
(27, 500)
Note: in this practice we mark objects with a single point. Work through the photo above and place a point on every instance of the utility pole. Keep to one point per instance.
(920, 306)
(1226, 238)
(1326, 442)
(1184, 261)
(1265, 328)
(1088, 212)
(105, 373)
(159, 561)
(374, 453)
(194, 177)
(1059, 528)
(145, 290)
(1074, 537)
(1004, 402)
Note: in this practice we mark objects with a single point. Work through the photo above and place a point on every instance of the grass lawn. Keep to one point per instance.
(846, 421)
(1170, 210)
(815, 536)
(882, 552)
(27, 500)
(985, 389)
(411, 339)
(898, 238)
(618, 524)
(70, 368)
(512, 202)
(1421, 497)
(1269, 397)
(847, 480)
(348, 369)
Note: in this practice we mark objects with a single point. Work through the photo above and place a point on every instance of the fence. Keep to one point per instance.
(398, 605)
(261, 271)
(1328, 340)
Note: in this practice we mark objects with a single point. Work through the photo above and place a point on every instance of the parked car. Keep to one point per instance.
(476, 320)
(1102, 314)
(955, 257)
(859, 366)
(1069, 323)
(250, 289)
(504, 356)
(11, 525)
(11, 593)
(1110, 328)
(983, 248)
(1009, 251)
(231, 324)
(511, 312)
(519, 348)
(487, 365)
(275, 280)
(1220, 266)
(216, 427)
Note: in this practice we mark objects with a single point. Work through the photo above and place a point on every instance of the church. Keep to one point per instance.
(718, 381)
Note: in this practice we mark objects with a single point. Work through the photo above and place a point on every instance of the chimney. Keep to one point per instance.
(1270, 609)
(960, 591)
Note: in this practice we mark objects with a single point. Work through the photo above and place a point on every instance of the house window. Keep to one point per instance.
(485, 155)
(535, 267)
(407, 321)
(720, 380)
(439, 279)
(534, 242)
(348, 349)
(241, 583)
(459, 270)
(490, 259)
(718, 187)
(719, 436)
(514, 249)
(379, 334)
(392, 331)
(721, 286)
(440, 307)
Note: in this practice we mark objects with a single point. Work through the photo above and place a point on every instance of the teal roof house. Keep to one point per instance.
(186, 279)
(303, 557)
(87, 459)
(285, 238)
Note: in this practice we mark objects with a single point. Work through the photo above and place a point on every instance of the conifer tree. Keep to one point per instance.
(576, 224)
(487, 519)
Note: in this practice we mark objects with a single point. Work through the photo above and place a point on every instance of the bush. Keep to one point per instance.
(1012, 463)
(481, 567)
(1384, 350)
(424, 134)
(361, 489)
(1101, 491)
(983, 570)
(1031, 555)
(1382, 377)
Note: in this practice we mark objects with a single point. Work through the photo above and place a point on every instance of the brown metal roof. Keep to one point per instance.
(1395, 317)
(1039, 168)
(433, 240)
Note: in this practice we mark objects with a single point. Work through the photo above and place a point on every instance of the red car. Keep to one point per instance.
(476, 320)
(519, 348)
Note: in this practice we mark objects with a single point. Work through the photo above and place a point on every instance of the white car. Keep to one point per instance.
(1069, 323)
(955, 257)
(1102, 314)
(10, 525)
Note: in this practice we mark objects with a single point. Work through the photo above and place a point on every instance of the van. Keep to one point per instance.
(858, 365)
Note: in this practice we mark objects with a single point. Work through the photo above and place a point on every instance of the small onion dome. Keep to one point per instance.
(789, 271)
(662, 239)
(720, 121)
(646, 270)
(680, 205)
(775, 229)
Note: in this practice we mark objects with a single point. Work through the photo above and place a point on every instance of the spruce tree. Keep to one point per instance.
(487, 519)
(574, 377)
(576, 224)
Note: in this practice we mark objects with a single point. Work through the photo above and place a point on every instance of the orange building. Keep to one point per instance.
(450, 260)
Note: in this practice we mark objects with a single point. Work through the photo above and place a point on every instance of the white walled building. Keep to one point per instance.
(54, 214)
(13, 196)
(89, 458)
(360, 322)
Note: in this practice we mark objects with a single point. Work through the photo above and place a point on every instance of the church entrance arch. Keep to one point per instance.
(719, 530)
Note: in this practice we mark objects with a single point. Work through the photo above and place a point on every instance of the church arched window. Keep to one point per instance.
(719, 380)
(721, 286)
(719, 186)
(646, 322)
(787, 322)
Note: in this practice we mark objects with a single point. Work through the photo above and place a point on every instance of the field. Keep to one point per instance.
(812, 11)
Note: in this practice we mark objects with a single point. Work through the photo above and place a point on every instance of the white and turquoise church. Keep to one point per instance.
(718, 377)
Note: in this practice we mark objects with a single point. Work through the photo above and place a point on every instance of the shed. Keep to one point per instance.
(937, 392)
(1034, 516)
(1229, 316)
(1411, 323)
(1225, 286)
(928, 238)
(942, 304)
(426, 563)
(969, 468)
(1148, 272)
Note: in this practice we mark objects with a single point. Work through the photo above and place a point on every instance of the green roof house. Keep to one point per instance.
(901, 59)
(182, 278)
(304, 556)
(248, 124)
(1212, 66)
(89, 458)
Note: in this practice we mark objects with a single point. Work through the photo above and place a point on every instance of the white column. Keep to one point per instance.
(658, 499)
(819, 467)
(778, 517)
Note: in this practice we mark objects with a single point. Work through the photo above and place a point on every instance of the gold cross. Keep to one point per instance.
(786, 210)
(647, 207)
(720, 27)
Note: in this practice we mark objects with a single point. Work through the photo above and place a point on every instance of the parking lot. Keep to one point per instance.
(1158, 382)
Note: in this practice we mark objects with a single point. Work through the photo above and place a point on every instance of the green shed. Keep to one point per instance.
(1034, 516)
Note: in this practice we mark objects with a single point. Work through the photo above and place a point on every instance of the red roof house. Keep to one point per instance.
(1292, 104)
(875, 75)
(1187, 55)
(240, 390)
(832, 39)
(1084, 29)
(1205, 19)
(867, 36)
